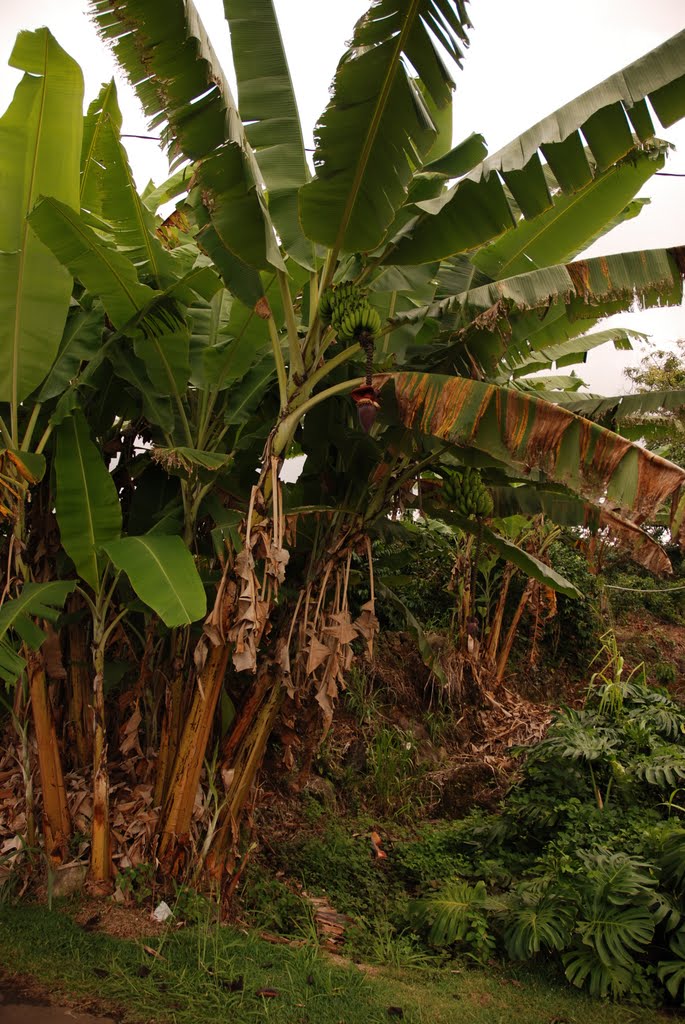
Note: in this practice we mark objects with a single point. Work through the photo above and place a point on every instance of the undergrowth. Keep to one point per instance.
(583, 866)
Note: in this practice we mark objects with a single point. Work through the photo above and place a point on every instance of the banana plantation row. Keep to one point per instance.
(378, 315)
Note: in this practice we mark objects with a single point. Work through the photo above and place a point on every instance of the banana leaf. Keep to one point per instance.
(169, 59)
(108, 190)
(163, 574)
(40, 146)
(377, 126)
(35, 601)
(477, 209)
(86, 499)
(269, 112)
(529, 432)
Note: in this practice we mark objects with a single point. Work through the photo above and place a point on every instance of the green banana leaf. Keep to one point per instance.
(567, 353)
(529, 432)
(36, 600)
(529, 564)
(80, 342)
(621, 407)
(653, 274)
(40, 145)
(269, 112)
(477, 209)
(559, 233)
(105, 272)
(167, 43)
(86, 500)
(377, 125)
(493, 325)
(101, 111)
(108, 190)
(163, 574)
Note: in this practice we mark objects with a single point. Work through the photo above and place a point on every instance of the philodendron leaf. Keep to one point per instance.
(86, 501)
(163, 574)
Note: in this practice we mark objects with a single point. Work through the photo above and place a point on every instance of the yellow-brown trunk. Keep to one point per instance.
(503, 657)
(56, 820)
(100, 853)
(244, 754)
(185, 775)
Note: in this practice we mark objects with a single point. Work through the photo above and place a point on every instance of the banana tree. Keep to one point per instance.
(397, 272)
(446, 268)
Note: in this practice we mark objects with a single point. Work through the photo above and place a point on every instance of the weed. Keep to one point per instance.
(270, 904)
(361, 697)
(137, 883)
(392, 757)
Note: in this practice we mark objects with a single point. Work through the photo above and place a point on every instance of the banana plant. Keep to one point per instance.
(404, 275)
(445, 266)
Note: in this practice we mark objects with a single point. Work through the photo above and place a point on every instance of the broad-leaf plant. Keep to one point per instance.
(379, 311)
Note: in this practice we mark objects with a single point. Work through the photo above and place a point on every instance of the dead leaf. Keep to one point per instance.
(153, 952)
(318, 653)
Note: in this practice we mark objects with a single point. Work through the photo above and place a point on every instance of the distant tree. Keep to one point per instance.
(663, 371)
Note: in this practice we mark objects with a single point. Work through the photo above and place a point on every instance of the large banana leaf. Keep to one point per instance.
(102, 110)
(86, 500)
(108, 190)
(531, 433)
(566, 353)
(504, 321)
(166, 53)
(36, 600)
(653, 274)
(80, 342)
(163, 574)
(377, 127)
(532, 566)
(269, 112)
(162, 338)
(559, 233)
(40, 146)
(477, 209)
(104, 271)
(567, 510)
(620, 407)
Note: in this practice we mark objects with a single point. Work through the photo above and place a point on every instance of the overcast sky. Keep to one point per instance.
(525, 60)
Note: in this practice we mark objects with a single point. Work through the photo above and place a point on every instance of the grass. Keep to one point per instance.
(215, 973)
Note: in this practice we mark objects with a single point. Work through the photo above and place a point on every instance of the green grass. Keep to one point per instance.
(214, 973)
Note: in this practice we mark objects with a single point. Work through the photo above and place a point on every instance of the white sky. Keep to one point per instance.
(525, 60)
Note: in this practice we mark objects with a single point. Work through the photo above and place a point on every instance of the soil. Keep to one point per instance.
(23, 1001)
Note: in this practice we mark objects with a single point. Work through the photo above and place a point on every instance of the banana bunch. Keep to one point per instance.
(347, 309)
(465, 492)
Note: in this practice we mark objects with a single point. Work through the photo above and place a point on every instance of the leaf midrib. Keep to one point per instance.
(379, 110)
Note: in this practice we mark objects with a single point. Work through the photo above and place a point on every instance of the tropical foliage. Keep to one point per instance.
(151, 365)
(585, 861)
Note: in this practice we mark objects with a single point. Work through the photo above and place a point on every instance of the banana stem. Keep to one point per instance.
(280, 365)
(296, 363)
